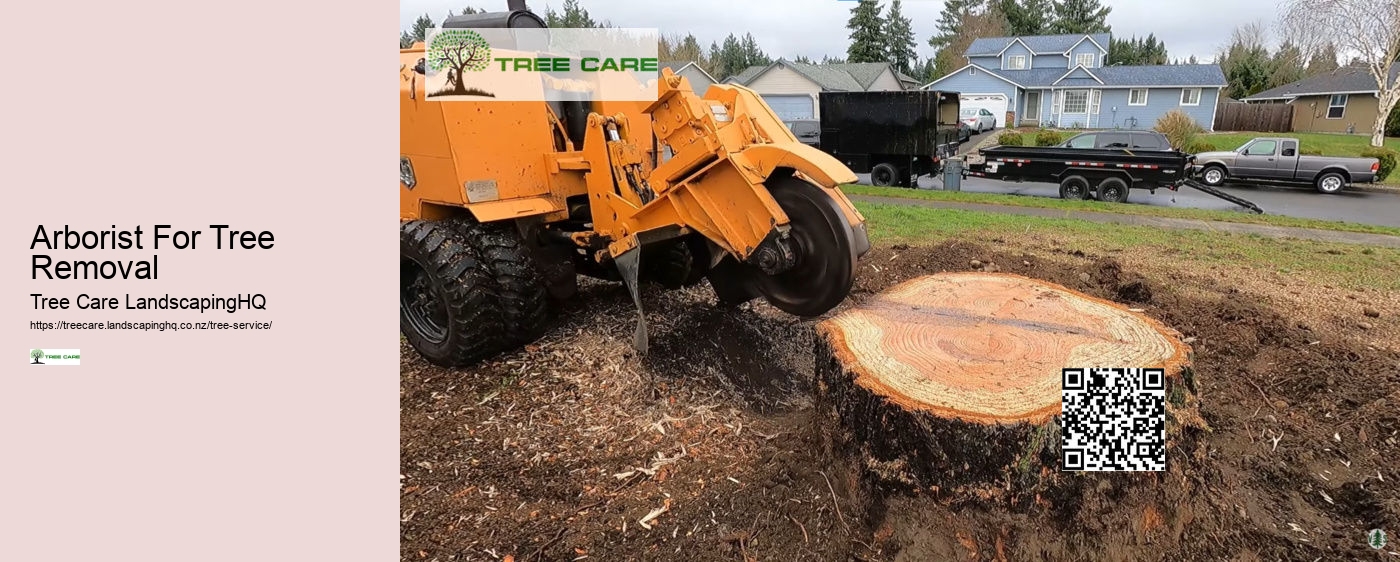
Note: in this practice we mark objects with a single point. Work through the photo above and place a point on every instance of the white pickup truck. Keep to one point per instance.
(1277, 159)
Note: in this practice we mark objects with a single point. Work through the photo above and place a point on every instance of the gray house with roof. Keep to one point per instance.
(792, 88)
(1345, 100)
(1067, 81)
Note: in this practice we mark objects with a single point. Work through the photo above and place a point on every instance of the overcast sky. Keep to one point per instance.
(789, 28)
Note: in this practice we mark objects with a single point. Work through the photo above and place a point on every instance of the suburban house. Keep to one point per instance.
(791, 88)
(1067, 81)
(699, 79)
(1341, 101)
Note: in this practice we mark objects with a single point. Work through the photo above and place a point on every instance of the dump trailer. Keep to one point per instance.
(503, 203)
(1084, 173)
(893, 136)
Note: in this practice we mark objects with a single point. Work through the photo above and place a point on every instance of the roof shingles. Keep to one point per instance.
(843, 77)
(1345, 79)
(1204, 75)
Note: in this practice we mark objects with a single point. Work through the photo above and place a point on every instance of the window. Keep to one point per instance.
(1262, 148)
(1076, 101)
(1082, 141)
(1017, 62)
(1191, 96)
(1290, 148)
(1148, 141)
(1084, 59)
(1336, 106)
(1094, 98)
(1113, 140)
(1137, 96)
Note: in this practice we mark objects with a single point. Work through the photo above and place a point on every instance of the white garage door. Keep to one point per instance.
(790, 107)
(995, 103)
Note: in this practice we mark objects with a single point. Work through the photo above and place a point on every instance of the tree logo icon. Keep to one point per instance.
(457, 51)
(36, 354)
(1376, 538)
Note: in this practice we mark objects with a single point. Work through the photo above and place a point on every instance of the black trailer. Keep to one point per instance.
(893, 136)
(1102, 173)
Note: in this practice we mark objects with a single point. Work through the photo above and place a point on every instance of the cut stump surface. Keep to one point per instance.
(956, 378)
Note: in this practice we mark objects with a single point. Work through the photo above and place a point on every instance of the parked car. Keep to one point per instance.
(964, 131)
(1277, 159)
(978, 119)
(809, 131)
(1132, 140)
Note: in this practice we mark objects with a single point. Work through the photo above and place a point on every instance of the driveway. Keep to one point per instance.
(1378, 208)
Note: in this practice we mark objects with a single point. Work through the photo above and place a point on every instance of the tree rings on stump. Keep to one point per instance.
(952, 382)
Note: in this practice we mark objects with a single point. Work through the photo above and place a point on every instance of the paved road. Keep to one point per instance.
(1163, 222)
(1352, 206)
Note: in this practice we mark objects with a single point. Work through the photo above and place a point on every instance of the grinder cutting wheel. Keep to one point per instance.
(817, 262)
(502, 203)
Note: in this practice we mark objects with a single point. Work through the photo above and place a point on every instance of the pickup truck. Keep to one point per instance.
(1277, 159)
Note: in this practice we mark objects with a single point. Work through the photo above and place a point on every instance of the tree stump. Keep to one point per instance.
(952, 382)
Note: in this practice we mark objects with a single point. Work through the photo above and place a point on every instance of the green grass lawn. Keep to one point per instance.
(1099, 206)
(1330, 144)
(1343, 264)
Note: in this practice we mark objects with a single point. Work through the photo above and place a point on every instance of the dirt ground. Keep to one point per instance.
(709, 448)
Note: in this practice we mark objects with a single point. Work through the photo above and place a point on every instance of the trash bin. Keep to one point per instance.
(952, 174)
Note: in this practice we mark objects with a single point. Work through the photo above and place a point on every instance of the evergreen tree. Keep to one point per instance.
(899, 39)
(574, 15)
(867, 42)
(1246, 62)
(950, 20)
(1080, 16)
(1286, 66)
(421, 27)
(1324, 60)
(1026, 17)
(828, 59)
(1137, 51)
(975, 25)
(753, 55)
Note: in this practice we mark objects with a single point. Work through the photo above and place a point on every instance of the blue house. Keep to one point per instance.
(1067, 81)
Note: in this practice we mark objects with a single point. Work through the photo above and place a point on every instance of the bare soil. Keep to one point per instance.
(709, 448)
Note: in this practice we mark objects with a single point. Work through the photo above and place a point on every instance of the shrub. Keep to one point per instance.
(1179, 128)
(1048, 138)
(1198, 146)
(1387, 157)
(1392, 123)
(1310, 151)
(1010, 138)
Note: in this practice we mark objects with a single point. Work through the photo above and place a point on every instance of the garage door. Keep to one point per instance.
(790, 107)
(995, 103)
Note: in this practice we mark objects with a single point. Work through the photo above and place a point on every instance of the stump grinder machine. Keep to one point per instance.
(503, 204)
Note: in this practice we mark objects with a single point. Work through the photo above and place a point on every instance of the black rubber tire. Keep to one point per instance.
(1112, 190)
(518, 286)
(1074, 188)
(439, 270)
(672, 265)
(822, 237)
(884, 175)
(1327, 180)
(1205, 173)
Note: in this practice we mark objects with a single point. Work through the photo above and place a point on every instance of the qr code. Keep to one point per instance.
(1113, 420)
